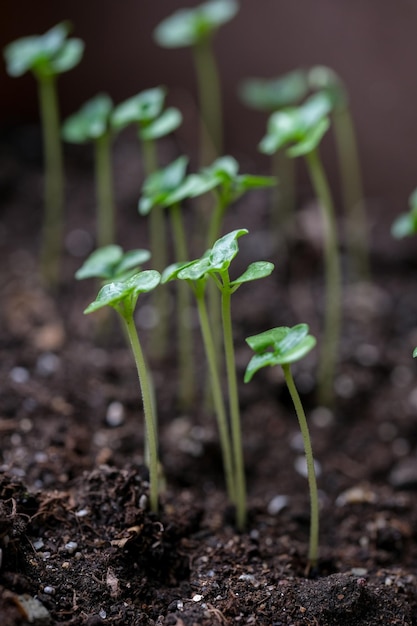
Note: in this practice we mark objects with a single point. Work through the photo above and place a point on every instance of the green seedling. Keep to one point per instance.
(215, 264)
(325, 80)
(92, 124)
(284, 346)
(406, 224)
(299, 130)
(268, 96)
(122, 296)
(166, 189)
(110, 263)
(195, 28)
(47, 56)
(146, 111)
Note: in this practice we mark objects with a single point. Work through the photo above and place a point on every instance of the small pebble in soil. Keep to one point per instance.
(115, 415)
(50, 591)
(19, 375)
(71, 547)
(38, 544)
(143, 501)
(47, 364)
(356, 495)
(32, 610)
(82, 513)
(197, 598)
(277, 504)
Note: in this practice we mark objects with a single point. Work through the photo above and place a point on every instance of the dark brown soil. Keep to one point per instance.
(78, 543)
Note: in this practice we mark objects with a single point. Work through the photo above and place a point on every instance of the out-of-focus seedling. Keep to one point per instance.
(122, 296)
(269, 95)
(299, 130)
(324, 79)
(47, 56)
(284, 346)
(111, 263)
(406, 223)
(195, 28)
(92, 124)
(215, 264)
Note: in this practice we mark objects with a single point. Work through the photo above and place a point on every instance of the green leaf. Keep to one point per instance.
(171, 272)
(159, 186)
(404, 226)
(44, 55)
(90, 122)
(311, 139)
(325, 79)
(116, 292)
(109, 295)
(132, 259)
(256, 270)
(141, 109)
(100, 263)
(225, 249)
(414, 353)
(271, 95)
(187, 27)
(196, 270)
(279, 346)
(166, 123)
(283, 127)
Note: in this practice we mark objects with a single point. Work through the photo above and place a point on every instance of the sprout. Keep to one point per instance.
(284, 346)
(122, 296)
(215, 264)
(325, 80)
(195, 28)
(47, 56)
(92, 123)
(299, 130)
(111, 263)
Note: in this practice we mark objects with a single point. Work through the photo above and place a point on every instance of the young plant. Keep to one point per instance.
(215, 265)
(146, 111)
(270, 95)
(324, 79)
(47, 56)
(166, 189)
(92, 124)
(110, 263)
(300, 130)
(406, 223)
(195, 28)
(122, 296)
(284, 346)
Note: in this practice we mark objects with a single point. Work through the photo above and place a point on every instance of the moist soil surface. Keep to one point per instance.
(78, 542)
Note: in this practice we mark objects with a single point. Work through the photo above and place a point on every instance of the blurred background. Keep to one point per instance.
(371, 44)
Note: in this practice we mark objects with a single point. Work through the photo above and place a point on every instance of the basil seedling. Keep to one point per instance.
(284, 346)
(195, 27)
(47, 56)
(122, 296)
(300, 130)
(92, 124)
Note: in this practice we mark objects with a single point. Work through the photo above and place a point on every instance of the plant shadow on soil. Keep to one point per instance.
(78, 543)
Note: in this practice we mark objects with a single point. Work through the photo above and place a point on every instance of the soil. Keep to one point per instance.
(78, 542)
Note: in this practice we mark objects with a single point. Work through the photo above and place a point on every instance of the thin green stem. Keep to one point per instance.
(283, 168)
(209, 96)
(104, 191)
(217, 393)
(234, 405)
(333, 280)
(215, 223)
(148, 408)
(54, 180)
(311, 474)
(352, 189)
(185, 338)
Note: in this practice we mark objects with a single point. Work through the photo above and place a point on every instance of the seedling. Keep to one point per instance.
(195, 28)
(215, 264)
(47, 56)
(324, 79)
(284, 346)
(269, 95)
(166, 189)
(146, 111)
(92, 124)
(111, 263)
(122, 296)
(406, 224)
(302, 128)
